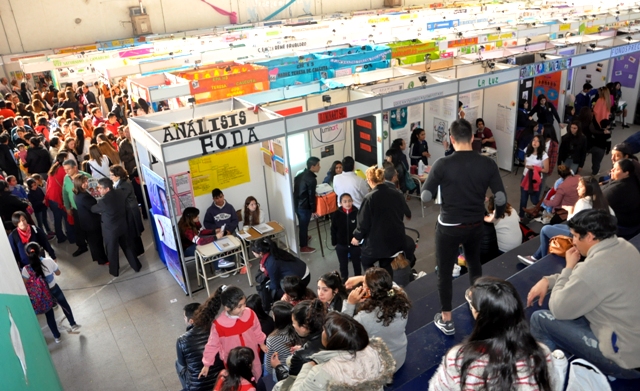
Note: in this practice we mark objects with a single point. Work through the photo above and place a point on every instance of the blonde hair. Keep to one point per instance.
(108, 150)
(375, 175)
(399, 262)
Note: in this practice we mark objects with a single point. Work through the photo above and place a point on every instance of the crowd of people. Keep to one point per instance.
(349, 332)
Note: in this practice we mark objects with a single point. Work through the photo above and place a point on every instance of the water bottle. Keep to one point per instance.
(560, 365)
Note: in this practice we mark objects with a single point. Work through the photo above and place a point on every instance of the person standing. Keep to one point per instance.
(8, 162)
(134, 220)
(88, 221)
(71, 168)
(343, 223)
(460, 182)
(349, 182)
(112, 207)
(304, 201)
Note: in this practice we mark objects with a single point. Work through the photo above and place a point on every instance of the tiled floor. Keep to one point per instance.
(130, 323)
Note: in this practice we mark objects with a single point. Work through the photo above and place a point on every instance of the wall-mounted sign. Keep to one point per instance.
(203, 126)
(332, 115)
(622, 50)
(541, 68)
(445, 24)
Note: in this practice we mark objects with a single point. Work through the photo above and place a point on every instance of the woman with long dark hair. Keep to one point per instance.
(591, 197)
(238, 375)
(573, 148)
(47, 269)
(545, 111)
(25, 233)
(266, 321)
(307, 319)
(349, 359)
(623, 193)
(336, 169)
(383, 310)
(536, 166)
(192, 233)
(500, 353)
(251, 213)
(331, 291)
(283, 337)
(295, 290)
(419, 147)
(276, 264)
(391, 156)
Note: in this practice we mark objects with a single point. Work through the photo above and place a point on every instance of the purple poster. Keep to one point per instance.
(625, 70)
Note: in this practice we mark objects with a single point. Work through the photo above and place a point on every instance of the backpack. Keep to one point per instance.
(527, 233)
(39, 294)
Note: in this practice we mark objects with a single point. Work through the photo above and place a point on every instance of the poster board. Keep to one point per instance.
(219, 170)
(182, 191)
(328, 134)
(273, 156)
(364, 140)
(549, 85)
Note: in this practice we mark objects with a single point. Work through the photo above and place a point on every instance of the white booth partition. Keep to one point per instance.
(160, 87)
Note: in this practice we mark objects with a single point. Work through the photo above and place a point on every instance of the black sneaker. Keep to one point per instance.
(446, 327)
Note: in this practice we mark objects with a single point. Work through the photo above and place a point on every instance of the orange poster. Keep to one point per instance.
(549, 85)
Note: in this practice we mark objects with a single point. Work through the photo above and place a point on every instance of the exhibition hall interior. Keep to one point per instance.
(319, 195)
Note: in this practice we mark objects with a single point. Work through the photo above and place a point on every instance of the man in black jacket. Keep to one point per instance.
(7, 161)
(190, 347)
(461, 180)
(112, 208)
(304, 200)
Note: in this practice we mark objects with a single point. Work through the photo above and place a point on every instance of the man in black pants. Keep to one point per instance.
(114, 226)
(304, 200)
(462, 180)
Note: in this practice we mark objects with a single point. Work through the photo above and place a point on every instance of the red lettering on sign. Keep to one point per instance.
(332, 115)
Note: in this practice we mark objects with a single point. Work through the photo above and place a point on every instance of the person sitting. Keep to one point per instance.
(192, 233)
(594, 311)
(238, 375)
(331, 291)
(284, 337)
(307, 319)
(573, 148)
(507, 226)
(623, 195)
(336, 169)
(566, 194)
(220, 215)
(251, 214)
(500, 353)
(24, 234)
(383, 310)
(190, 347)
(349, 359)
(485, 134)
(349, 182)
(295, 291)
(591, 197)
(276, 264)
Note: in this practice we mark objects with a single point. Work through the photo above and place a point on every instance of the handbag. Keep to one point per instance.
(559, 245)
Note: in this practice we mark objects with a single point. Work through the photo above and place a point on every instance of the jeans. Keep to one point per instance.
(346, 253)
(62, 301)
(51, 321)
(575, 337)
(597, 154)
(43, 223)
(448, 241)
(59, 216)
(190, 251)
(524, 199)
(573, 166)
(547, 232)
(304, 217)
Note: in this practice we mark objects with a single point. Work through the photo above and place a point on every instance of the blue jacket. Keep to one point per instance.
(217, 217)
(278, 269)
(38, 236)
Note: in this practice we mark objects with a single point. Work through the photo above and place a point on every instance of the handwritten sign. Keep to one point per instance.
(219, 170)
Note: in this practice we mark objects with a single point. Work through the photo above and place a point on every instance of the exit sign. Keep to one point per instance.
(332, 115)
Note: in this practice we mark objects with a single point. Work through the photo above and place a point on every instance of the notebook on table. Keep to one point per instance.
(263, 228)
(224, 244)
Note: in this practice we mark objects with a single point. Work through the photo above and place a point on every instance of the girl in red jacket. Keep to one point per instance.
(192, 233)
(236, 326)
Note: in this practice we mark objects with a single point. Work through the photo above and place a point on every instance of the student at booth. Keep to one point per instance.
(304, 199)
(485, 134)
(349, 182)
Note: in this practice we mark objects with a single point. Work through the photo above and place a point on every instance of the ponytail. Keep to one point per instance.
(208, 311)
(310, 314)
(34, 251)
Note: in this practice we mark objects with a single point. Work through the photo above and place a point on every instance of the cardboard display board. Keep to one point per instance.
(219, 170)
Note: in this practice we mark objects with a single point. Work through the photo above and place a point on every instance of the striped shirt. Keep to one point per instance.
(447, 377)
(278, 342)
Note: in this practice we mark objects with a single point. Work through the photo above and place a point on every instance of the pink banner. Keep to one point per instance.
(135, 52)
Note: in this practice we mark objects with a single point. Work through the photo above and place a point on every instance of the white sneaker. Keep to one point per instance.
(75, 327)
(224, 264)
(57, 340)
(456, 271)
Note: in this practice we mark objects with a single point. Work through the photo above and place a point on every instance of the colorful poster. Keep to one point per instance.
(219, 170)
(168, 246)
(625, 70)
(364, 137)
(549, 85)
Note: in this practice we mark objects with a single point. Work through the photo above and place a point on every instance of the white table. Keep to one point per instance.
(209, 253)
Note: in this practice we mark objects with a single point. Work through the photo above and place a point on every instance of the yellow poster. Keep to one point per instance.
(219, 170)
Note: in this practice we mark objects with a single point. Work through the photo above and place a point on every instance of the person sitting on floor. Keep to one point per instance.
(190, 347)
(507, 226)
(594, 311)
(500, 353)
(295, 291)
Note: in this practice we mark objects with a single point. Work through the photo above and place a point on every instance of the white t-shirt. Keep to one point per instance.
(532, 160)
(584, 204)
(100, 170)
(49, 266)
(508, 232)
